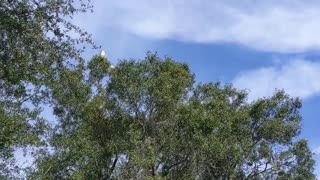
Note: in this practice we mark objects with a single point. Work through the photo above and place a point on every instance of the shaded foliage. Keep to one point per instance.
(36, 42)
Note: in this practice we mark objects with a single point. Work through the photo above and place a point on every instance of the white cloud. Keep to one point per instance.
(317, 151)
(117, 42)
(297, 77)
(280, 26)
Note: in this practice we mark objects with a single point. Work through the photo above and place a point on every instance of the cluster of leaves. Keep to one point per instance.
(147, 120)
(35, 44)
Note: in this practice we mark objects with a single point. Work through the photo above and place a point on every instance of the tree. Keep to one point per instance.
(148, 120)
(35, 46)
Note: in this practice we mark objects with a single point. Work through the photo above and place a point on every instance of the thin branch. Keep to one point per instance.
(113, 167)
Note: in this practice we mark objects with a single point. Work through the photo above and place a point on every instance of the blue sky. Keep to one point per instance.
(256, 45)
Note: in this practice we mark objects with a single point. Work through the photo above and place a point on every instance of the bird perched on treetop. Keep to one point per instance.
(103, 54)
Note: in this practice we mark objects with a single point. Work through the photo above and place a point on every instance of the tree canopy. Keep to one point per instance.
(142, 119)
(36, 43)
(147, 119)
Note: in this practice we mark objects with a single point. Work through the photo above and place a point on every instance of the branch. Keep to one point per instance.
(268, 169)
(178, 163)
(113, 167)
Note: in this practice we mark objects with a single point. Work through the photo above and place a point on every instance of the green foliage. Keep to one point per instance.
(35, 46)
(147, 120)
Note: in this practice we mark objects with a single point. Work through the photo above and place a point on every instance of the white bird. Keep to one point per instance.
(103, 54)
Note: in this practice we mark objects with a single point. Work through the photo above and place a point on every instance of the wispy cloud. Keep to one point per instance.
(297, 77)
(280, 26)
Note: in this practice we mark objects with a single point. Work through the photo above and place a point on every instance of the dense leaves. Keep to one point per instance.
(36, 42)
(147, 120)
